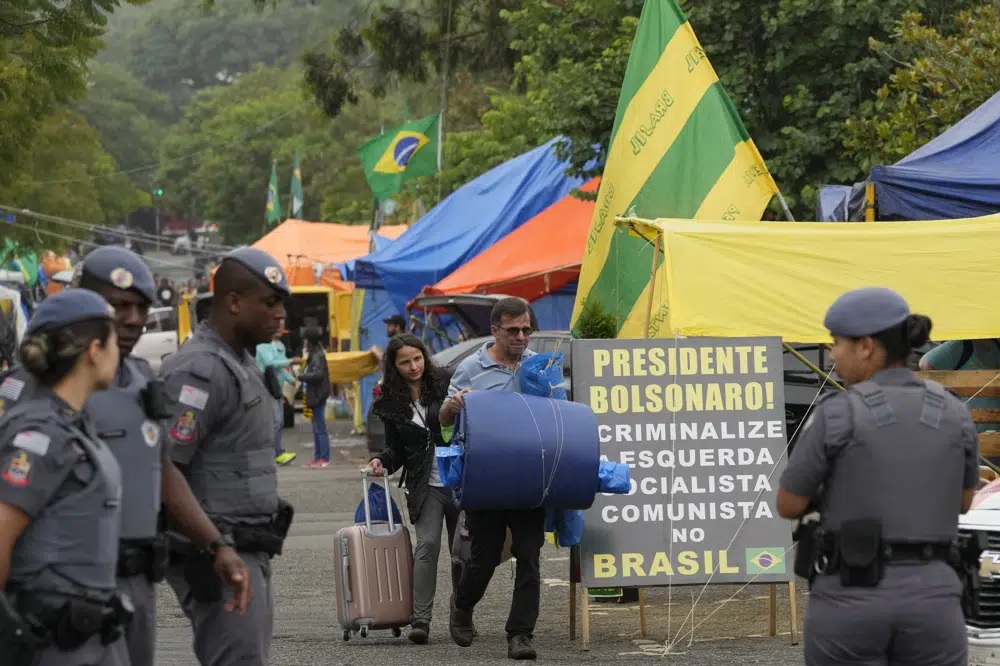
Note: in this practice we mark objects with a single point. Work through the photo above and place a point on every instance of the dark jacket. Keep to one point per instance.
(408, 447)
(316, 377)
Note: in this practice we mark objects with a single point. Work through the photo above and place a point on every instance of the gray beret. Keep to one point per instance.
(68, 307)
(867, 311)
(263, 265)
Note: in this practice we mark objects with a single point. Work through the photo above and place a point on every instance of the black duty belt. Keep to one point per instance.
(134, 561)
(916, 552)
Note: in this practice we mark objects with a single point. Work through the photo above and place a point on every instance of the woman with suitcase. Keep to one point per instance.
(412, 392)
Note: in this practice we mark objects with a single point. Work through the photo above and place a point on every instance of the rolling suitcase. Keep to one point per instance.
(374, 573)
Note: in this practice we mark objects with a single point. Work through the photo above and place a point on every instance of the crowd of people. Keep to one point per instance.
(889, 464)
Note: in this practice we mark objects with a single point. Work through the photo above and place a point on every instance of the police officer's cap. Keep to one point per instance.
(68, 307)
(867, 311)
(262, 265)
(120, 268)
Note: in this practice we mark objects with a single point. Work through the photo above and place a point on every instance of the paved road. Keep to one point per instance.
(732, 630)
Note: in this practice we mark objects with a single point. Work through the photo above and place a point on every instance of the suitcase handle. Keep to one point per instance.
(388, 501)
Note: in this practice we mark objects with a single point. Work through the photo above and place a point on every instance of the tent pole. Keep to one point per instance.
(652, 280)
(869, 202)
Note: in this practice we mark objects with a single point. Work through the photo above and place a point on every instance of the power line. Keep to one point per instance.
(149, 167)
(206, 249)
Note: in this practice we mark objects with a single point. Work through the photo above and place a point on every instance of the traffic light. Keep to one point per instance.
(157, 191)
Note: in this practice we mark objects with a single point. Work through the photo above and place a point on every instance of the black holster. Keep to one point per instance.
(199, 573)
(258, 540)
(860, 553)
(154, 400)
(966, 551)
(76, 621)
(149, 559)
(807, 537)
(21, 636)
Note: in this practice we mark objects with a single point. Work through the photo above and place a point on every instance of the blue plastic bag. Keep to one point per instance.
(542, 375)
(376, 507)
(613, 478)
(567, 524)
(449, 462)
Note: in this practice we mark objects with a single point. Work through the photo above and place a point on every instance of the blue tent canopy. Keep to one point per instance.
(347, 268)
(470, 220)
(953, 176)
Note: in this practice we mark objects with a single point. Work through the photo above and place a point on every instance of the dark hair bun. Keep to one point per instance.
(34, 354)
(918, 330)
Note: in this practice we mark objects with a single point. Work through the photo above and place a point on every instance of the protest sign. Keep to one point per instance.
(701, 423)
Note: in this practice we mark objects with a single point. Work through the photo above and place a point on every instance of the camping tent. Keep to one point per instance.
(470, 220)
(300, 245)
(734, 279)
(953, 176)
(537, 259)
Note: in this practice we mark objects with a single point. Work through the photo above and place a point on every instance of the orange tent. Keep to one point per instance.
(298, 245)
(541, 256)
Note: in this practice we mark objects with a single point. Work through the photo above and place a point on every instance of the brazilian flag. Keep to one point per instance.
(765, 560)
(404, 152)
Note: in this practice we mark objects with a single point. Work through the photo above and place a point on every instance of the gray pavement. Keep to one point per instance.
(731, 625)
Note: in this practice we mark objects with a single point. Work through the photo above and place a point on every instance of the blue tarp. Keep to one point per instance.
(347, 268)
(554, 311)
(470, 220)
(377, 306)
(953, 176)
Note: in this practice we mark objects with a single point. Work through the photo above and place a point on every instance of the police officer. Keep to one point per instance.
(890, 462)
(60, 497)
(125, 416)
(221, 434)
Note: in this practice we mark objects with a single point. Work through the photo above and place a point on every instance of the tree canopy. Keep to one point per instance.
(941, 77)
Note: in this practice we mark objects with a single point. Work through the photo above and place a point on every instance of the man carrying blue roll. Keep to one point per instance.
(495, 368)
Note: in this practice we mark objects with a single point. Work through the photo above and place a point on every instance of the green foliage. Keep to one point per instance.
(414, 41)
(216, 161)
(67, 173)
(44, 47)
(796, 70)
(595, 323)
(188, 45)
(942, 76)
(131, 119)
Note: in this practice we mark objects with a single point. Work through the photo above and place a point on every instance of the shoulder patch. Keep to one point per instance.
(11, 388)
(32, 441)
(18, 470)
(184, 428)
(193, 396)
(150, 433)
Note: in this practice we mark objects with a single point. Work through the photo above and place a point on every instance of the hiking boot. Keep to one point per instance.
(419, 631)
(460, 625)
(519, 647)
(285, 458)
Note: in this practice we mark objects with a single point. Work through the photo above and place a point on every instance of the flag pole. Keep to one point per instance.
(784, 206)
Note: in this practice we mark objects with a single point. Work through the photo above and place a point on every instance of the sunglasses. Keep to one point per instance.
(514, 330)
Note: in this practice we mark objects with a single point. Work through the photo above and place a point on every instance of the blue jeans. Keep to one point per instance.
(321, 438)
(279, 425)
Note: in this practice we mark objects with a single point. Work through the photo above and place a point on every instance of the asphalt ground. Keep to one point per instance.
(731, 624)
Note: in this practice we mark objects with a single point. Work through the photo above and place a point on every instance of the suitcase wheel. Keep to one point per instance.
(364, 631)
(396, 632)
(347, 634)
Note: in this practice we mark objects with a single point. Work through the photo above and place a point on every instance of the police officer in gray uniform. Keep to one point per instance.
(60, 497)
(890, 463)
(125, 416)
(221, 435)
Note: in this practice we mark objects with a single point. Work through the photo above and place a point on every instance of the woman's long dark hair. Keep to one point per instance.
(395, 392)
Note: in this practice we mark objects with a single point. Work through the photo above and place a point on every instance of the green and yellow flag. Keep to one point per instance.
(404, 152)
(273, 204)
(678, 150)
(298, 196)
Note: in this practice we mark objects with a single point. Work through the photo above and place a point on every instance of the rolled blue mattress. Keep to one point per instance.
(523, 451)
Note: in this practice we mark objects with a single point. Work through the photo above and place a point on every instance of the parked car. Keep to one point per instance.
(159, 338)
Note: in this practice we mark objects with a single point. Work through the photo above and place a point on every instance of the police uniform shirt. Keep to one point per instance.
(40, 458)
(201, 395)
(915, 483)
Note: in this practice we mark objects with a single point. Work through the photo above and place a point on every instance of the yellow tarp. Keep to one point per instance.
(347, 367)
(778, 278)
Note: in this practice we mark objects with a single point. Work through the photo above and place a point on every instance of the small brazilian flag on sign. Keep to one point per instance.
(765, 560)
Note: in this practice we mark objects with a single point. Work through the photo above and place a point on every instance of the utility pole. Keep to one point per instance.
(157, 196)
